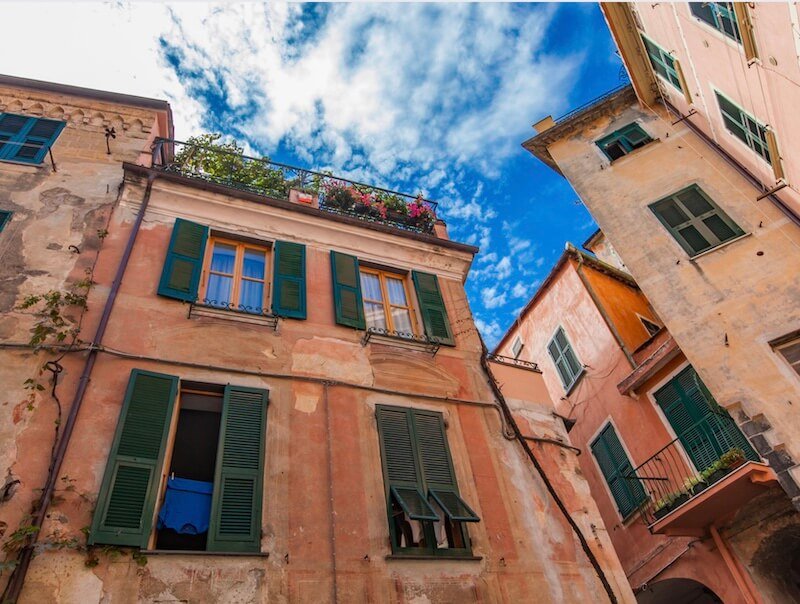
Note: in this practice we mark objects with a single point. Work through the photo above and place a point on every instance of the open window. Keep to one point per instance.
(387, 304)
(27, 139)
(651, 327)
(623, 141)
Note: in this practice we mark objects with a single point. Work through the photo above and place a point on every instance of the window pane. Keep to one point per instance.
(703, 10)
(572, 361)
(718, 226)
(695, 240)
(219, 288)
(373, 314)
(561, 339)
(614, 150)
(564, 372)
(370, 287)
(735, 128)
(695, 202)
(12, 123)
(252, 296)
(254, 263)
(397, 293)
(402, 320)
(223, 259)
(671, 213)
(791, 353)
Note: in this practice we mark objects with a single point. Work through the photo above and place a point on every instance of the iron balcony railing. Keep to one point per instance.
(336, 195)
(702, 454)
(593, 102)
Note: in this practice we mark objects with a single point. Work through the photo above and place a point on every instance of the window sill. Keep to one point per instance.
(424, 557)
(406, 341)
(198, 310)
(191, 552)
(574, 384)
(23, 166)
(621, 160)
(720, 246)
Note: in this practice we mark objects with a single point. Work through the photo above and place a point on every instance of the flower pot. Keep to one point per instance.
(735, 464)
(661, 512)
(361, 208)
(718, 475)
(699, 488)
(680, 500)
(396, 216)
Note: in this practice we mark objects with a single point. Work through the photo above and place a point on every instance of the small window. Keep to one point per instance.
(616, 468)
(387, 304)
(695, 221)
(744, 127)
(623, 141)
(664, 64)
(5, 217)
(569, 369)
(652, 328)
(236, 276)
(719, 15)
(516, 347)
(27, 139)
(791, 352)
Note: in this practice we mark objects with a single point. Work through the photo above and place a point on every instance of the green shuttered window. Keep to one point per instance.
(628, 492)
(5, 218)
(695, 221)
(744, 126)
(432, 308)
(183, 265)
(664, 64)
(127, 502)
(27, 139)
(347, 301)
(564, 358)
(623, 141)
(425, 509)
(289, 297)
(720, 16)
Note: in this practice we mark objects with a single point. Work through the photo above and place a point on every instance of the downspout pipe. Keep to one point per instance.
(14, 587)
(540, 470)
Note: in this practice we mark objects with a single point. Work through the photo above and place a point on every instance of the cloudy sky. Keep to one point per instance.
(430, 97)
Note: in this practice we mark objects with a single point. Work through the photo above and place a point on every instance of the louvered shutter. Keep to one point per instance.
(289, 289)
(180, 277)
(235, 524)
(37, 141)
(431, 306)
(347, 302)
(774, 154)
(616, 468)
(401, 472)
(126, 503)
(437, 466)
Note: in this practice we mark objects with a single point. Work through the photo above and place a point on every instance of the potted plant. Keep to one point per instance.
(662, 507)
(339, 195)
(396, 208)
(680, 498)
(420, 214)
(732, 459)
(695, 484)
(713, 473)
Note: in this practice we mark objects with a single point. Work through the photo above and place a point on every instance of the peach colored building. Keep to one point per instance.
(689, 173)
(279, 394)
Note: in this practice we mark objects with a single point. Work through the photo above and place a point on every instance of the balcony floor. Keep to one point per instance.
(720, 500)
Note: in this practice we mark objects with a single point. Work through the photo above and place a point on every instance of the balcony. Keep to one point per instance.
(699, 479)
(226, 165)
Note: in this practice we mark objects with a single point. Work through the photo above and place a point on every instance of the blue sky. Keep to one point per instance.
(430, 97)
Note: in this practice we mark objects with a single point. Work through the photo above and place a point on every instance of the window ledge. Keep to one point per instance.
(400, 340)
(23, 166)
(577, 381)
(621, 160)
(200, 310)
(191, 552)
(720, 246)
(424, 557)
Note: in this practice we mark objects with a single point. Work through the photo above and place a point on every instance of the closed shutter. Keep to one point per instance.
(348, 305)
(235, 524)
(180, 277)
(628, 493)
(431, 306)
(684, 87)
(289, 290)
(774, 154)
(125, 505)
(28, 138)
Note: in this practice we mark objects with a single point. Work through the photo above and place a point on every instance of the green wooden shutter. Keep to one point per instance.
(235, 524)
(431, 306)
(348, 305)
(184, 263)
(126, 503)
(289, 289)
(437, 466)
(615, 466)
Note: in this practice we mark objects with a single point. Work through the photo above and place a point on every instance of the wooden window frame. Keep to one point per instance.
(238, 263)
(760, 144)
(666, 61)
(386, 303)
(622, 136)
(695, 221)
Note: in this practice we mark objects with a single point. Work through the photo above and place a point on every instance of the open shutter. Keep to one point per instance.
(616, 467)
(683, 85)
(774, 153)
(289, 289)
(437, 466)
(235, 524)
(431, 306)
(347, 302)
(184, 263)
(125, 505)
(746, 30)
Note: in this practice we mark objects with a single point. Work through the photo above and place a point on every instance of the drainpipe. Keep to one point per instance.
(15, 583)
(540, 470)
(740, 576)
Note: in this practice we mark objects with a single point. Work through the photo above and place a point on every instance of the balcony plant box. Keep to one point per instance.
(680, 500)
(699, 487)
(732, 459)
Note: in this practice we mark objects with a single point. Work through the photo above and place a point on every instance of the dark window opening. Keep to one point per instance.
(651, 327)
(623, 141)
(424, 534)
(185, 511)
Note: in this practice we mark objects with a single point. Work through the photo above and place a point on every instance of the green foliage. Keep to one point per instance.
(207, 156)
(731, 457)
(20, 538)
(139, 558)
(51, 326)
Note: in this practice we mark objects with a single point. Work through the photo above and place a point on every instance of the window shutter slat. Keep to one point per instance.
(289, 291)
(682, 80)
(774, 154)
(126, 503)
(746, 30)
(615, 467)
(183, 265)
(348, 305)
(431, 306)
(235, 524)
(397, 447)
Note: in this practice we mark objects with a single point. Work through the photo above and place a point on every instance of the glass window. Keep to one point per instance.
(719, 15)
(663, 63)
(27, 139)
(791, 352)
(5, 216)
(386, 302)
(236, 277)
(569, 369)
(744, 127)
(623, 141)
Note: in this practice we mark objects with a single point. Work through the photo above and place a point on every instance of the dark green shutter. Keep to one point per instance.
(616, 468)
(289, 290)
(184, 263)
(125, 505)
(348, 305)
(235, 524)
(431, 306)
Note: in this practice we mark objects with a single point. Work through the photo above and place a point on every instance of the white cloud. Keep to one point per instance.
(484, 258)
(520, 290)
(491, 298)
(490, 330)
(502, 269)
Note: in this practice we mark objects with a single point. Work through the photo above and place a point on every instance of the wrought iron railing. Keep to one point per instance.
(404, 338)
(503, 360)
(593, 102)
(336, 195)
(704, 453)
